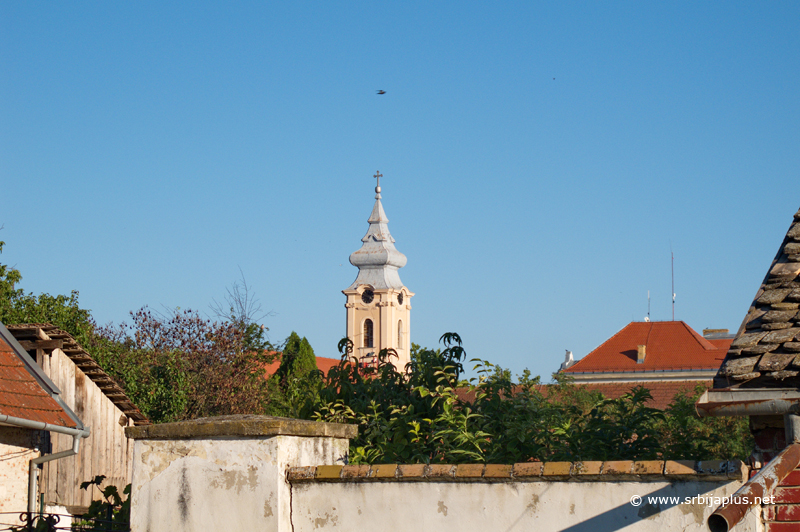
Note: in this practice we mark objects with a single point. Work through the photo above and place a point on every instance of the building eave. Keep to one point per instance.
(642, 376)
(748, 402)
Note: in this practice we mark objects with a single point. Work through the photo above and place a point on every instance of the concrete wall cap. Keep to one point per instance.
(240, 425)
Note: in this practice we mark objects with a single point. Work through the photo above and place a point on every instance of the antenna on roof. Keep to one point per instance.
(673, 279)
(648, 306)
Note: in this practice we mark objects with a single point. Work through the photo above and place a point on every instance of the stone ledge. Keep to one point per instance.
(611, 471)
(240, 425)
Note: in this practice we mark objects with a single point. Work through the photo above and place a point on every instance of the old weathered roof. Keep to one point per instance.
(25, 394)
(670, 345)
(46, 336)
(765, 352)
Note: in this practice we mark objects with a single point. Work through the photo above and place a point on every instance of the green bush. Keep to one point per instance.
(430, 414)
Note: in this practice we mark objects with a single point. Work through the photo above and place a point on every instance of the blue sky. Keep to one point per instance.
(540, 159)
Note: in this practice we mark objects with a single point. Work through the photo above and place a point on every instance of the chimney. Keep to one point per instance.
(640, 353)
(716, 333)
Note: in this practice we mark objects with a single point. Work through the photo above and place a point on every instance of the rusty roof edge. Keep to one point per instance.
(748, 402)
(755, 490)
(38, 373)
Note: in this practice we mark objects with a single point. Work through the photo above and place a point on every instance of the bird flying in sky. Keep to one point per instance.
(381, 92)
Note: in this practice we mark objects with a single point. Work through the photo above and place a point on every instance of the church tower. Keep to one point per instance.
(378, 305)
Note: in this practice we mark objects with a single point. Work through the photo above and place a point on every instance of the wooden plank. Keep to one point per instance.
(66, 471)
(123, 448)
(46, 473)
(89, 446)
(24, 334)
(99, 442)
(47, 486)
(113, 432)
(28, 345)
(114, 442)
(108, 426)
(81, 398)
(129, 456)
(61, 440)
(100, 445)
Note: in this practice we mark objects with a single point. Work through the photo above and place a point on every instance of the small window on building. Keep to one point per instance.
(368, 337)
(400, 334)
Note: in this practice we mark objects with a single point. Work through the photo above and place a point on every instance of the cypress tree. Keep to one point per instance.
(298, 358)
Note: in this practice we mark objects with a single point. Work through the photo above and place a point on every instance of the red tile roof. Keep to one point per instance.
(30, 334)
(671, 345)
(323, 364)
(663, 392)
(22, 396)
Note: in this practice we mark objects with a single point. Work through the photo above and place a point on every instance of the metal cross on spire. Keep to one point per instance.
(378, 175)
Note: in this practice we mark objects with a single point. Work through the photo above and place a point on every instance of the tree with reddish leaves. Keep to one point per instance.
(182, 366)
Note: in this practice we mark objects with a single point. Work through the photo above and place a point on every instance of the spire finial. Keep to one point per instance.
(378, 175)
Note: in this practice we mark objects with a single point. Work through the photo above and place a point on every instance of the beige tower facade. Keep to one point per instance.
(378, 304)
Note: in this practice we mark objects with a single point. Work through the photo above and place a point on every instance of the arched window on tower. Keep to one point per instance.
(400, 334)
(368, 336)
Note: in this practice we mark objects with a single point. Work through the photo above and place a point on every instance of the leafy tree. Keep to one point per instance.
(406, 417)
(9, 277)
(685, 434)
(175, 366)
(297, 358)
(182, 366)
(62, 311)
(429, 414)
(295, 386)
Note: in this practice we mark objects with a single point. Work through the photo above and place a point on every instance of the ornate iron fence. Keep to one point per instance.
(36, 522)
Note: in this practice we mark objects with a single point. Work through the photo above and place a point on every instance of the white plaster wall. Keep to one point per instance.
(65, 519)
(17, 449)
(222, 483)
(524, 506)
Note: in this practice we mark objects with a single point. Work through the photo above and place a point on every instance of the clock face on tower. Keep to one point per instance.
(367, 296)
(400, 298)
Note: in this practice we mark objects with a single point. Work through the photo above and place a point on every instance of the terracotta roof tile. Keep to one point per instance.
(29, 333)
(22, 396)
(670, 345)
(323, 364)
(662, 392)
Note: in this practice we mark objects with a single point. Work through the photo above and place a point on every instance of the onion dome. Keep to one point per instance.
(378, 260)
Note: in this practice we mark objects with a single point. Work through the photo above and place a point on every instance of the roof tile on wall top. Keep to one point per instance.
(766, 350)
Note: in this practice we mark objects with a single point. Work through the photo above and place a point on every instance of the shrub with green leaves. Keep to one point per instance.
(430, 414)
(112, 512)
